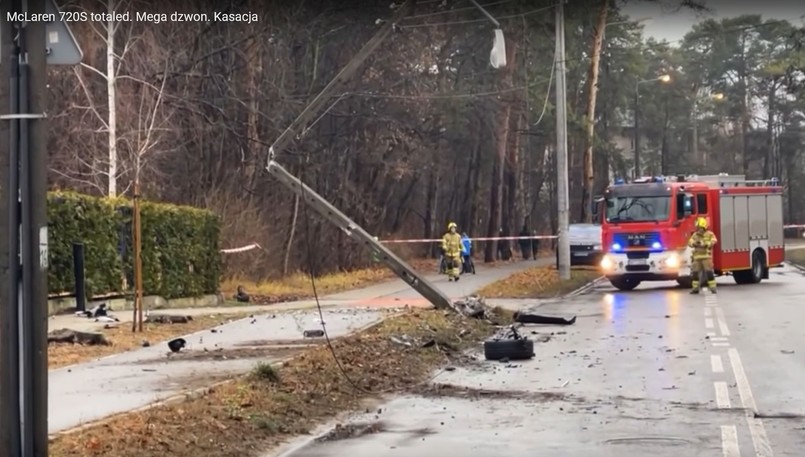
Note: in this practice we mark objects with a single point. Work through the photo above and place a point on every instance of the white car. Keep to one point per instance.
(585, 244)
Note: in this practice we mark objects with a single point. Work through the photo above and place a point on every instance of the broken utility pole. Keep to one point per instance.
(297, 129)
(332, 214)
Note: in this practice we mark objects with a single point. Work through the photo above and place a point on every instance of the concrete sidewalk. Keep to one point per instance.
(92, 391)
(391, 293)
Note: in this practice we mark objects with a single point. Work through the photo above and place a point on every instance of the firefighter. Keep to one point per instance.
(451, 245)
(702, 242)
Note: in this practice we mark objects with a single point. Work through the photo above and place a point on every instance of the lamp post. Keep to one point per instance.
(663, 78)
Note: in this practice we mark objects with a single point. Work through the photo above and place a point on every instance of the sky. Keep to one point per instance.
(670, 25)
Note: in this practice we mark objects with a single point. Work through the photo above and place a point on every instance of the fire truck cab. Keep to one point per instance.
(646, 225)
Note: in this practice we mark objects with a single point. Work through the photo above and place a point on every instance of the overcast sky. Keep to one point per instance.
(667, 24)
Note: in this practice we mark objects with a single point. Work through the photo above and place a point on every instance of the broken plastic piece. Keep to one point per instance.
(313, 333)
(524, 318)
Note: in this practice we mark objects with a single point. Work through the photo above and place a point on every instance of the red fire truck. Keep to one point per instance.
(646, 225)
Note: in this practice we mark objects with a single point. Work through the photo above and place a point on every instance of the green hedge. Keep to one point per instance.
(180, 246)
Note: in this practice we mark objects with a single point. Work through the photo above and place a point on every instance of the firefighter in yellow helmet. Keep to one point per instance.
(702, 242)
(451, 246)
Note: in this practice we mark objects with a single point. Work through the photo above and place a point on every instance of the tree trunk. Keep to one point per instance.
(502, 138)
(111, 99)
(496, 193)
(592, 92)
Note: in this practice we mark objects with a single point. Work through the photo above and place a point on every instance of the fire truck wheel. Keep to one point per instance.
(755, 274)
(622, 283)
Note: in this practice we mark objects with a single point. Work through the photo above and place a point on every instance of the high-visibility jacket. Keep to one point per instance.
(702, 244)
(451, 244)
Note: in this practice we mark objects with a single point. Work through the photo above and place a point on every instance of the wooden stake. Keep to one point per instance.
(137, 321)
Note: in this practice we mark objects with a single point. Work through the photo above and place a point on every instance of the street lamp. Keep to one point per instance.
(662, 78)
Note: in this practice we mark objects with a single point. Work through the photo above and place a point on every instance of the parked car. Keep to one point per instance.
(585, 244)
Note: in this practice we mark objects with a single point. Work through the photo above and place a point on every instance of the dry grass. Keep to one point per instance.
(257, 412)
(538, 282)
(123, 339)
(297, 286)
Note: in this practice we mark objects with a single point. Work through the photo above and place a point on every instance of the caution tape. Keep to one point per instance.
(790, 226)
(494, 238)
(246, 248)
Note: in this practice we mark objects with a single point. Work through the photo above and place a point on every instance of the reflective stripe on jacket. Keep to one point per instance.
(705, 242)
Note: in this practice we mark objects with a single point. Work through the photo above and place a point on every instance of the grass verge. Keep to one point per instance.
(123, 339)
(538, 282)
(263, 409)
(796, 256)
(297, 286)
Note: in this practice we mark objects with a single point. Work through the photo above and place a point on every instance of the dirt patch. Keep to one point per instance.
(538, 282)
(259, 411)
(454, 391)
(122, 339)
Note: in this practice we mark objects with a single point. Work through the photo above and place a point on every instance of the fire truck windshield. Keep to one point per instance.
(638, 209)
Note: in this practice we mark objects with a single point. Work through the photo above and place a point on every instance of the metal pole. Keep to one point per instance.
(636, 130)
(561, 145)
(34, 77)
(27, 267)
(10, 430)
(695, 139)
(79, 277)
(486, 13)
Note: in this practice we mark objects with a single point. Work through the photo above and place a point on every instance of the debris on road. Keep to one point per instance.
(65, 335)
(168, 319)
(509, 345)
(316, 333)
(473, 306)
(177, 345)
(528, 318)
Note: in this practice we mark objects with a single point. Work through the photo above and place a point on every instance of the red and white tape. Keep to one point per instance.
(439, 240)
(790, 226)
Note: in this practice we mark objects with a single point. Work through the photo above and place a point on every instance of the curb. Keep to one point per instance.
(198, 392)
(798, 267)
(585, 287)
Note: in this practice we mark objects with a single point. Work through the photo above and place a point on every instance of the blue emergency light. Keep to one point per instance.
(619, 181)
(616, 247)
(656, 245)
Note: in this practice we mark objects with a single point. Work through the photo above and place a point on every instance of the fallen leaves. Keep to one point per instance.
(538, 282)
(123, 339)
(259, 411)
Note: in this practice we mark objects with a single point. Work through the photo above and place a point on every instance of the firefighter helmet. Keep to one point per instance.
(701, 223)
(452, 225)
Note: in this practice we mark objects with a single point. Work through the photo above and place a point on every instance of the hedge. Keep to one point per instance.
(180, 246)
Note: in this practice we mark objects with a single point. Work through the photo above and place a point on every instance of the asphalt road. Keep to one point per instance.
(94, 390)
(655, 371)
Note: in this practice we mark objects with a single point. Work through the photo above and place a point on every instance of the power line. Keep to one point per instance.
(476, 21)
(468, 8)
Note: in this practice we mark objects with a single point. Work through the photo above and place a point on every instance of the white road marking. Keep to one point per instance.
(719, 338)
(716, 364)
(708, 323)
(708, 312)
(711, 303)
(729, 441)
(756, 428)
(721, 344)
(711, 334)
(722, 323)
(722, 395)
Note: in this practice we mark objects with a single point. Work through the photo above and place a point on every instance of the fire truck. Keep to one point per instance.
(646, 225)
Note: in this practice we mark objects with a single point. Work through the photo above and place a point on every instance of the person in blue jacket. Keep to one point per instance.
(466, 253)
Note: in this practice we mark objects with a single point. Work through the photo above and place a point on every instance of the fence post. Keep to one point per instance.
(78, 272)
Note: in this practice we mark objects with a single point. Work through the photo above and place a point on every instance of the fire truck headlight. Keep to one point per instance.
(597, 247)
(672, 261)
(606, 263)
